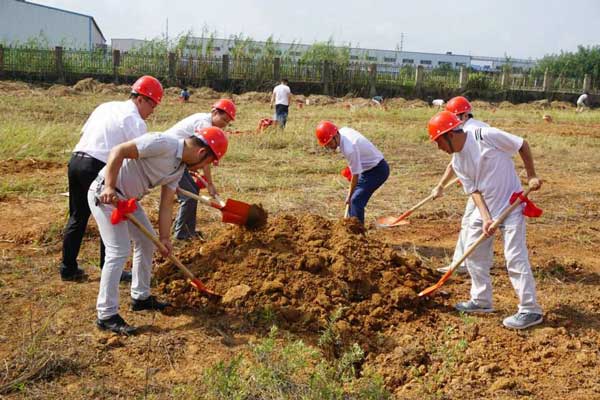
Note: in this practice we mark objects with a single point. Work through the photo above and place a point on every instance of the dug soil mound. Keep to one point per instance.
(302, 270)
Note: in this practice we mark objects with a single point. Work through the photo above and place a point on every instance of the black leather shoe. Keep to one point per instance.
(151, 303)
(126, 276)
(115, 324)
(75, 276)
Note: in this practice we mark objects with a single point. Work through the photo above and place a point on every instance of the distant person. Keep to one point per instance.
(281, 97)
(583, 101)
(109, 125)
(221, 114)
(367, 165)
(377, 100)
(184, 95)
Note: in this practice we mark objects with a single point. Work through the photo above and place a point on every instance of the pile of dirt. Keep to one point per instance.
(87, 85)
(561, 105)
(481, 105)
(540, 104)
(11, 165)
(252, 97)
(395, 102)
(205, 93)
(506, 105)
(111, 88)
(303, 269)
(417, 103)
(320, 100)
(8, 86)
(60, 90)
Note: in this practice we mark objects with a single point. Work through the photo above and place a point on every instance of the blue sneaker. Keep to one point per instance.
(522, 320)
(472, 307)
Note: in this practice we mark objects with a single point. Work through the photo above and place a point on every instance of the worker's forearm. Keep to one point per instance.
(449, 174)
(527, 157)
(165, 212)
(481, 206)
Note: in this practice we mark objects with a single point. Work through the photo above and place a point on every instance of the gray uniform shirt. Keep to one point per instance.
(159, 164)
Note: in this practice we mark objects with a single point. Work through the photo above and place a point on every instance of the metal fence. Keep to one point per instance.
(59, 65)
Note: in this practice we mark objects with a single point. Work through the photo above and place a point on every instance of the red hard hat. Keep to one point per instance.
(215, 139)
(458, 105)
(325, 132)
(441, 123)
(227, 106)
(148, 86)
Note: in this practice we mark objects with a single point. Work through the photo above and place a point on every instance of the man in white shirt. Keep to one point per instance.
(582, 102)
(110, 124)
(482, 160)
(221, 114)
(133, 168)
(367, 165)
(281, 98)
(462, 108)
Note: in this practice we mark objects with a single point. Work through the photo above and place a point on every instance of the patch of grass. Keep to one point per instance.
(284, 369)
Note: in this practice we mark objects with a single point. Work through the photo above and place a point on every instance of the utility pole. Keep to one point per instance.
(401, 41)
(167, 35)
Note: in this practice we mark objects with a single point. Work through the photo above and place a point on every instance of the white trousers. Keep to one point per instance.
(117, 239)
(513, 232)
(464, 228)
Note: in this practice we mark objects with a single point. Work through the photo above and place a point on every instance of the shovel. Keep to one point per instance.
(195, 282)
(233, 211)
(471, 248)
(390, 221)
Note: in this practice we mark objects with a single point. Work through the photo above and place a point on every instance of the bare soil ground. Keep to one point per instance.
(302, 266)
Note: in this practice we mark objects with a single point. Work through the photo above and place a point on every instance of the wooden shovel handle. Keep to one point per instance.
(471, 248)
(201, 198)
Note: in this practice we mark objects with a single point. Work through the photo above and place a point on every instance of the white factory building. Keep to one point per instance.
(220, 47)
(23, 21)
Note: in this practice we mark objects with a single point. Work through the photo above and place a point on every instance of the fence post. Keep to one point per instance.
(463, 77)
(587, 78)
(225, 67)
(547, 85)
(1, 61)
(116, 58)
(325, 77)
(504, 79)
(418, 78)
(58, 64)
(276, 69)
(171, 78)
(372, 80)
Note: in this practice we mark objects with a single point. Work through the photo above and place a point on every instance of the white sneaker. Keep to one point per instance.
(461, 269)
(472, 307)
(522, 320)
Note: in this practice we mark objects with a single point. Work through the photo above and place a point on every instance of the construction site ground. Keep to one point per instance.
(306, 264)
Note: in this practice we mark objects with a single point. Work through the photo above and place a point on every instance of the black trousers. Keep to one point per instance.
(83, 169)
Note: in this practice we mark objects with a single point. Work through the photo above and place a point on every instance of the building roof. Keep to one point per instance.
(68, 12)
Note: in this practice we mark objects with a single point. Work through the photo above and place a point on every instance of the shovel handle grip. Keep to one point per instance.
(216, 196)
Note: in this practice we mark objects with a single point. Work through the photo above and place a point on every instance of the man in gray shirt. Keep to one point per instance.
(133, 168)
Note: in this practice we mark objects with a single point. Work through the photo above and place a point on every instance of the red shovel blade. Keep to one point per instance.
(232, 218)
(235, 212)
(388, 222)
(197, 283)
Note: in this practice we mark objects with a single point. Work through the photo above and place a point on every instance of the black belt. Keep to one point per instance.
(82, 154)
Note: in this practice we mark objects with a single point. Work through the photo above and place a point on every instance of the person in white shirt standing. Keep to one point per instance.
(133, 168)
(582, 102)
(221, 114)
(110, 124)
(367, 165)
(281, 98)
(482, 160)
(462, 108)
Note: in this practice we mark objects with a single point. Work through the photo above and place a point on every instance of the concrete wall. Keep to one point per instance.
(21, 21)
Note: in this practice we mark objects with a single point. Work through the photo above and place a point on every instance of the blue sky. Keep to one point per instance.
(515, 28)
